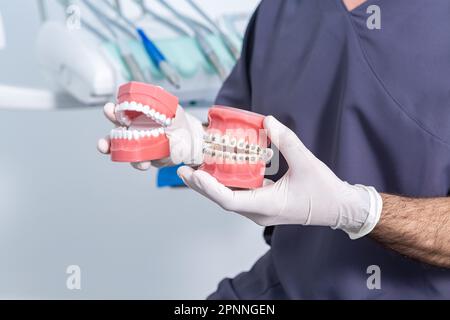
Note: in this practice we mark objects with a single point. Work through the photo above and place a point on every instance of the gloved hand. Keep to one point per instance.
(308, 194)
(185, 136)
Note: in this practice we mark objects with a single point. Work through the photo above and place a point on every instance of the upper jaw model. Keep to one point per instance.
(143, 111)
(235, 148)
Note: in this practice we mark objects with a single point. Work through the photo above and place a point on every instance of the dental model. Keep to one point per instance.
(235, 148)
(143, 111)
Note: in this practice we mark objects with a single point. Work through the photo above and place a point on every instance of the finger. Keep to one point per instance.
(206, 185)
(141, 166)
(285, 140)
(103, 145)
(252, 204)
(109, 111)
(257, 205)
(184, 172)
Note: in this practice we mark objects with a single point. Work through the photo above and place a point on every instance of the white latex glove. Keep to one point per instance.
(185, 137)
(308, 194)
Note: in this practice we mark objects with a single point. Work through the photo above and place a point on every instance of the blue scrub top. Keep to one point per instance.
(374, 105)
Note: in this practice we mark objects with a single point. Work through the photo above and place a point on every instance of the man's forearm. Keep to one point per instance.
(417, 228)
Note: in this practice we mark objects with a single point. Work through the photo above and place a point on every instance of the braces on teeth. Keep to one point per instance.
(215, 145)
(159, 118)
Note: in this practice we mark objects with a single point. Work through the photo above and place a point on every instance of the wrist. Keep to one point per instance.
(361, 211)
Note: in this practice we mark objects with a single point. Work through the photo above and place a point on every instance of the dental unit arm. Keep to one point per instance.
(75, 64)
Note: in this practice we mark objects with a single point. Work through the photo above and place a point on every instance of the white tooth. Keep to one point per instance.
(208, 137)
(120, 133)
(161, 130)
(148, 133)
(136, 134)
(156, 116)
(129, 135)
(140, 107)
(111, 134)
(168, 122)
(133, 105)
(152, 113)
(155, 133)
(162, 118)
(216, 138)
(125, 105)
(253, 159)
(146, 109)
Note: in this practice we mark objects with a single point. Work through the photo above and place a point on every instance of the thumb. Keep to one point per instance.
(286, 141)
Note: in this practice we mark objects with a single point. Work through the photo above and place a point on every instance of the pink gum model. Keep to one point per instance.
(143, 112)
(235, 147)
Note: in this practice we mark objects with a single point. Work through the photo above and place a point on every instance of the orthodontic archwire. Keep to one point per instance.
(203, 43)
(215, 144)
(232, 48)
(126, 55)
(151, 49)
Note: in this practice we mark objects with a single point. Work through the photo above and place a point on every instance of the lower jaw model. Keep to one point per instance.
(235, 148)
(143, 111)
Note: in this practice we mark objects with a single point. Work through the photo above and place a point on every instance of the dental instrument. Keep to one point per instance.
(203, 43)
(126, 55)
(105, 19)
(152, 50)
(42, 7)
(95, 31)
(225, 38)
(169, 23)
(118, 5)
(160, 18)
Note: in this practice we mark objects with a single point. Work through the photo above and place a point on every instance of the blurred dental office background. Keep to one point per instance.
(61, 202)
